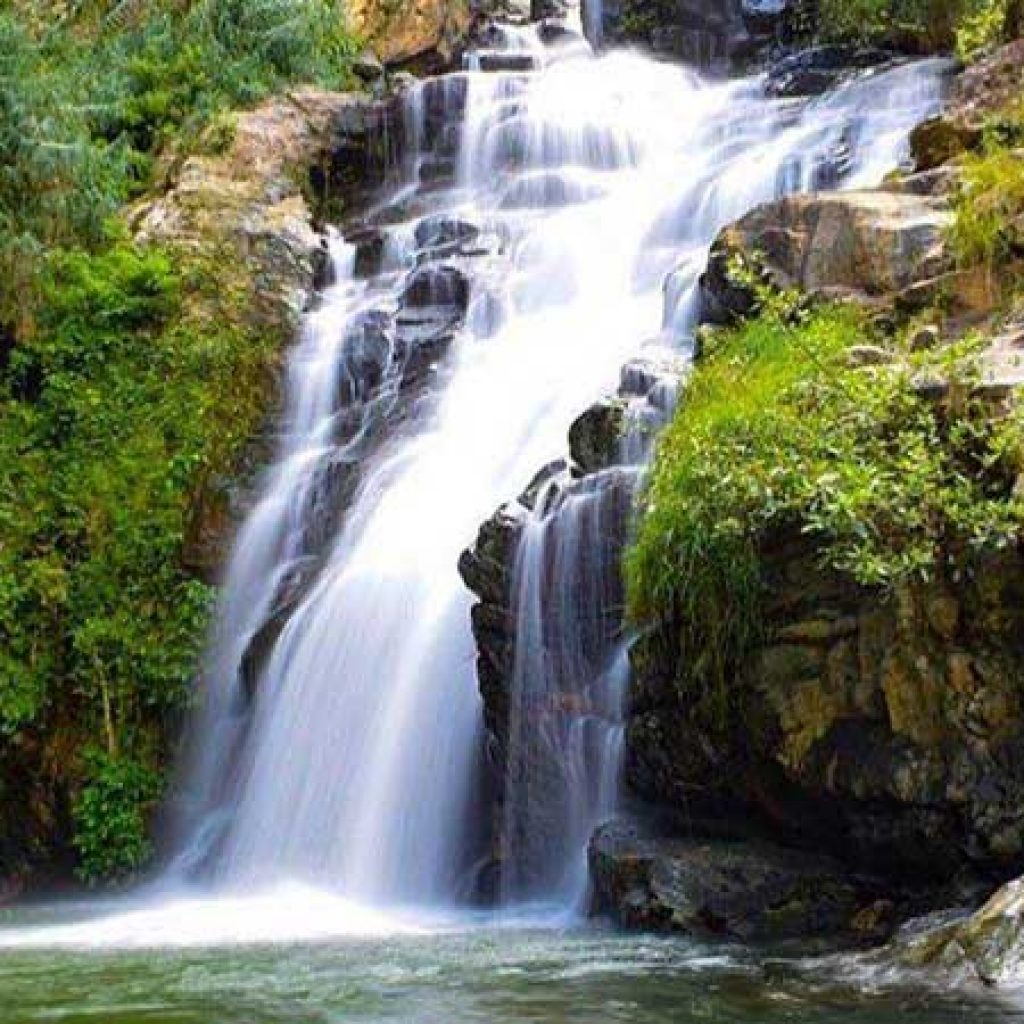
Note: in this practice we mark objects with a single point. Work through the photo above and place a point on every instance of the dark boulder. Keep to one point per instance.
(711, 34)
(443, 234)
(432, 287)
(595, 437)
(820, 69)
(371, 244)
(737, 889)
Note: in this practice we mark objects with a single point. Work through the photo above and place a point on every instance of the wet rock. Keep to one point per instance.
(368, 66)
(437, 171)
(712, 34)
(445, 235)
(436, 286)
(509, 62)
(371, 246)
(261, 644)
(368, 349)
(744, 890)
(552, 32)
(487, 569)
(550, 10)
(549, 189)
(819, 70)
(421, 345)
(987, 946)
(595, 437)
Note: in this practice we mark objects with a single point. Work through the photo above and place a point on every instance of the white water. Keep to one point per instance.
(353, 771)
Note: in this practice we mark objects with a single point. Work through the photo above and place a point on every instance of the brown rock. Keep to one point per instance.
(861, 245)
(422, 32)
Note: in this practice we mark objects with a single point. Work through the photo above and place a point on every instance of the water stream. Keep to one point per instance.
(547, 223)
(541, 210)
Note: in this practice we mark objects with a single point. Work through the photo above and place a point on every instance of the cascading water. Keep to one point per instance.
(521, 268)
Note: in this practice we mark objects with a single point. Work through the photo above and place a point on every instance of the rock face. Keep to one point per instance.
(251, 209)
(713, 34)
(425, 34)
(987, 87)
(987, 947)
(746, 890)
(600, 443)
(887, 731)
(852, 244)
(576, 516)
(815, 71)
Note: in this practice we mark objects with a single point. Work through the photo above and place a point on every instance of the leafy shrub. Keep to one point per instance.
(989, 225)
(988, 230)
(111, 817)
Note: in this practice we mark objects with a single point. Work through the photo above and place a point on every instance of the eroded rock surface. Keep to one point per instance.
(887, 730)
(426, 34)
(726, 888)
(251, 209)
(986, 946)
(867, 245)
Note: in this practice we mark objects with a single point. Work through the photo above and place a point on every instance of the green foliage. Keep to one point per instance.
(778, 432)
(989, 227)
(981, 26)
(111, 817)
(127, 397)
(86, 104)
(129, 378)
(967, 25)
(98, 428)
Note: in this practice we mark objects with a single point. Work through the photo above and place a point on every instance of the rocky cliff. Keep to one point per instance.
(877, 725)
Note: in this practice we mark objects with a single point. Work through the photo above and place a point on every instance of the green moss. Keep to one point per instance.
(779, 432)
(989, 227)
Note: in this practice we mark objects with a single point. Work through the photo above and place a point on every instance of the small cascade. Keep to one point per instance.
(568, 686)
(570, 670)
(485, 301)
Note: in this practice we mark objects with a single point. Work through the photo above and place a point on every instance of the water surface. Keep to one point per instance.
(465, 971)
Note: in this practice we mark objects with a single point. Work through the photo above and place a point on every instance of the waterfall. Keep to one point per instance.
(493, 294)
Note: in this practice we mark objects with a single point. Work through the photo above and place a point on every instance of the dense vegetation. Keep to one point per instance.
(921, 24)
(119, 393)
(780, 429)
(989, 229)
